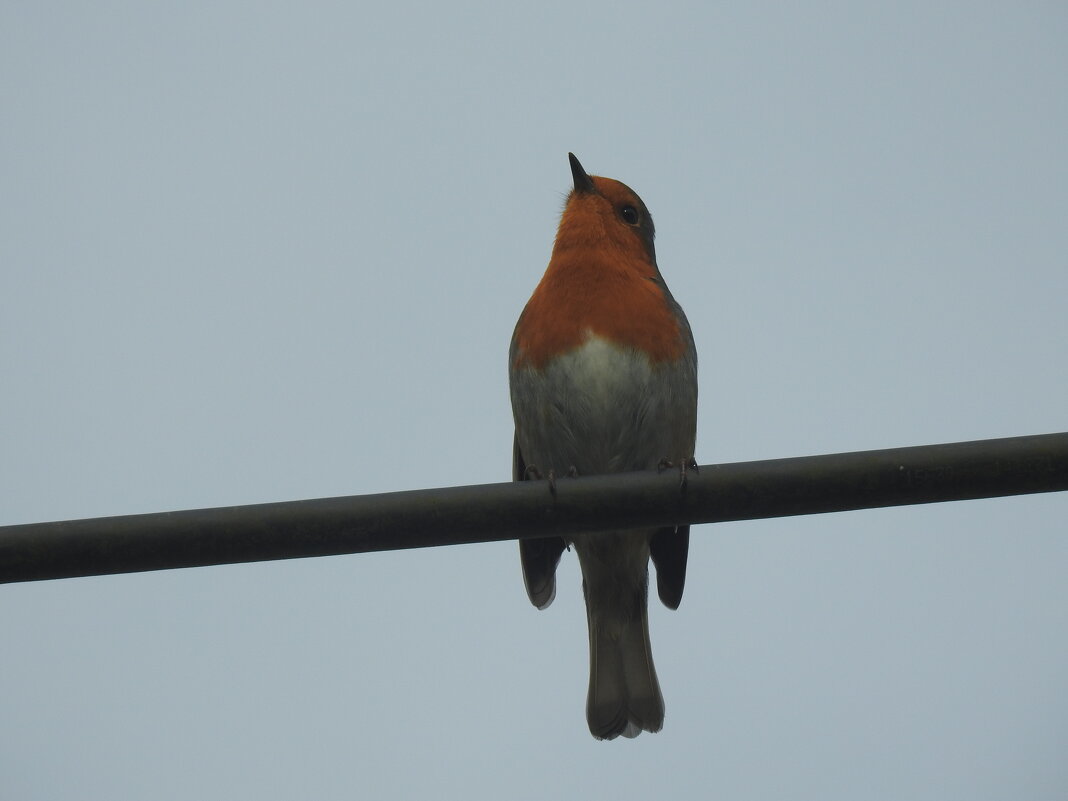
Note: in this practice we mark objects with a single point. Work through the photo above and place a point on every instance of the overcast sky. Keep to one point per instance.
(262, 252)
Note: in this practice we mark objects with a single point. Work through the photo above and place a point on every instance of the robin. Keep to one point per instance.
(603, 379)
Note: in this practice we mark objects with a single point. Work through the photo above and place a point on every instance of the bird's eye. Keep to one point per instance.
(630, 215)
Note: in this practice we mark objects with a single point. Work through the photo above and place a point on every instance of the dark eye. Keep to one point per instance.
(630, 215)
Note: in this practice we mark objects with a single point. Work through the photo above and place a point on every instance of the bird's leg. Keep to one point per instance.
(572, 472)
(685, 465)
(532, 471)
(688, 464)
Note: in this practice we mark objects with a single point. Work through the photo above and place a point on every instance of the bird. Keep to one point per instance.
(602, 373)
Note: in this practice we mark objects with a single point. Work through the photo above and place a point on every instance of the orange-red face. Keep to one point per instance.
(610, 220)
(602, 280)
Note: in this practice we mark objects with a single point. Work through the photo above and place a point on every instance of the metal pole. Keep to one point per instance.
(493, 512)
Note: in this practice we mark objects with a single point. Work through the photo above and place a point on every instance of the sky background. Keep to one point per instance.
(257, 252)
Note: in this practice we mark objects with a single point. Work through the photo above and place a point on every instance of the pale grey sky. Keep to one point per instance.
(258, 252)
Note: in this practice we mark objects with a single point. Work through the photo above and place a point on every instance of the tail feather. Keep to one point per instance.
(624, 695)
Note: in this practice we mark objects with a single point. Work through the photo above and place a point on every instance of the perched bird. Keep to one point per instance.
(603, 379)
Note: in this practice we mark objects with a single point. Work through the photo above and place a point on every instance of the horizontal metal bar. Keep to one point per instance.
(493, 512)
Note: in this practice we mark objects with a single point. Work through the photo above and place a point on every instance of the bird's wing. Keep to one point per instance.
(539, 556)
(669, 547)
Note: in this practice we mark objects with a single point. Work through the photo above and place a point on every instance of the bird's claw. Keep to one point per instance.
(685, 466)
(688, 464)
(532, 472)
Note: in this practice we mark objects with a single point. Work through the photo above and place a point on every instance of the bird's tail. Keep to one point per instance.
(624, 696)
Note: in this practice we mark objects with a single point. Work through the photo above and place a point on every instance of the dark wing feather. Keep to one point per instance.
(540, 556)
(669, 548)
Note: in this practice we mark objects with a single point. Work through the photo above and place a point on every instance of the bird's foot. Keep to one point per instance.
(532, 471)
(685, 466)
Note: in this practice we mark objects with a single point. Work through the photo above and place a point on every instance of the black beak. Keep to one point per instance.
(583, 182)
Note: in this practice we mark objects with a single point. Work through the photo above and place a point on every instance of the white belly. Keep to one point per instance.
(603, 409)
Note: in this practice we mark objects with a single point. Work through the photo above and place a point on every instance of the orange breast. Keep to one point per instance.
(612, 295)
